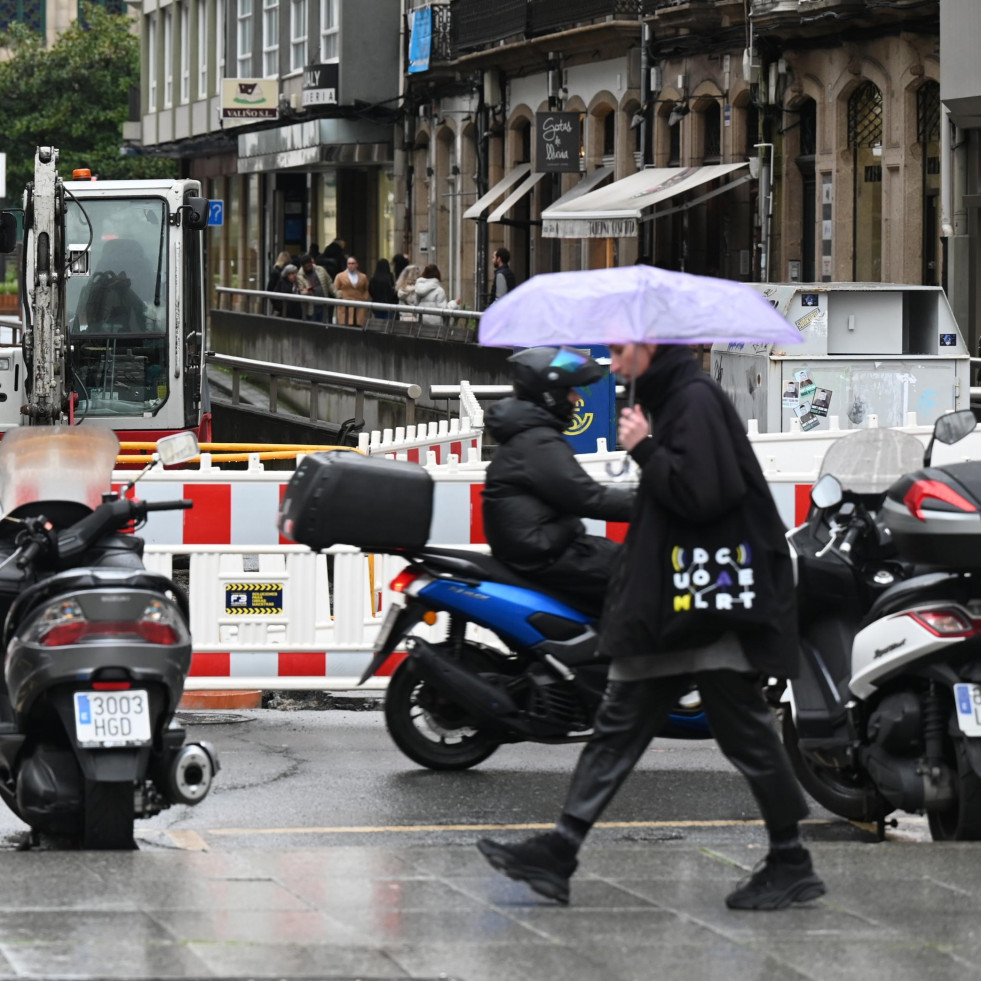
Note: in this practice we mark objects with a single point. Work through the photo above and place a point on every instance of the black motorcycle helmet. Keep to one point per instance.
(545, 375)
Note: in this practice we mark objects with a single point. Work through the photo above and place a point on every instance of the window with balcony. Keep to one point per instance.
(329, 30)
(151, 63)
(219, 45)
(270, 38)
(202, 49)
(243, 37)
(168, 57)
(298, 34)
(184, 13)
(865, 142)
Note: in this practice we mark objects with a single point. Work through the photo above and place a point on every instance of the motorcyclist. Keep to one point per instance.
(536, 492)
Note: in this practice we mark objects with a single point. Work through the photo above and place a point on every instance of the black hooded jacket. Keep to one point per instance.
(698, 470)
(536, 491)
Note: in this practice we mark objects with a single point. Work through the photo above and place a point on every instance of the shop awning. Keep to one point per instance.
(616, 210)
(587, 184)
(477, 209)
(514, 197)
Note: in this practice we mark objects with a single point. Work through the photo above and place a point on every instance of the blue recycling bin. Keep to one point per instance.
(595, 416)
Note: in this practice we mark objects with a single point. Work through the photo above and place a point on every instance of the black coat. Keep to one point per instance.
(288, 308)
(698, 471)
(536, 491)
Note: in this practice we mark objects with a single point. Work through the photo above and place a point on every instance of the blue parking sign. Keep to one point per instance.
(216, 212)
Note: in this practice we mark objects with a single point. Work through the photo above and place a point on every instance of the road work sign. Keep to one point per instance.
(253, 598)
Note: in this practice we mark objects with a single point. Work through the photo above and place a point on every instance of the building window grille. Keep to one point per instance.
(712, 123)
(928, 136)
(865, 141)
(928, 114)
(329, 31)
(151, 62)
(298, 34)
(244, 38)
(865, 116)
(270, 38)
(184, 12)
(30, 13)
(168, 57)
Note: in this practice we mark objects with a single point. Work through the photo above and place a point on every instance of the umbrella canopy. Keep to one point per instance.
(632, 305)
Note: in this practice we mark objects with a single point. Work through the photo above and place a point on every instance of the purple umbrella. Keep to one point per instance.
(632, 305)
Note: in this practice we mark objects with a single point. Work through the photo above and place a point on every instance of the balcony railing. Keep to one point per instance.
(545, 16)
(478, 22)
(442, 45)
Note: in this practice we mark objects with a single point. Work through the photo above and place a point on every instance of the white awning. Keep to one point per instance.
(514, 197)
(584, 186)
(614, 211)
(477, 209)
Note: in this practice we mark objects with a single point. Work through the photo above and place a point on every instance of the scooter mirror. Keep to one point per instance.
(826, 493)
(178, 448)
(954, 426)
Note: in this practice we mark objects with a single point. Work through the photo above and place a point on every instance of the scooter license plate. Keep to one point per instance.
(385, 630)
(112, 718)
(968, 698)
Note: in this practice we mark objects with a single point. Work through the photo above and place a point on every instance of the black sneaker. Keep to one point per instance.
(545, 863)
(777, 883)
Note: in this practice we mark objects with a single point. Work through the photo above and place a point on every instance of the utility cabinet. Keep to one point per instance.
(865, 349)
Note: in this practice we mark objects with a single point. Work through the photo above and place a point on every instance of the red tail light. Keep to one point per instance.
(923, 490)
(404, 580)
(945, 623)
(111, 685)
(72, 633)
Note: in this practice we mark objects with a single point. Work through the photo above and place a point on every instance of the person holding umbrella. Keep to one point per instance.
(704, 592)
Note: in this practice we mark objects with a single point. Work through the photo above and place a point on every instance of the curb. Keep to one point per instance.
(221, 700)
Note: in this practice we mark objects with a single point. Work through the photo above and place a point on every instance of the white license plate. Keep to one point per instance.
(112, 718)
(968, 698)
(391, 615)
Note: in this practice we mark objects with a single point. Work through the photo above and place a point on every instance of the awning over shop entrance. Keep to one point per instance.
(477, 209)
(514, 197)
(614, 211)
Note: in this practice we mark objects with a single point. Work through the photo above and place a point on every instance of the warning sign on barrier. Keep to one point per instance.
(253, 598)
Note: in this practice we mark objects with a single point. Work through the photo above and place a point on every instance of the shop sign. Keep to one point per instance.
(320, 85)
(420, 39)
(250, 98)
(589, 227)
(557, 142)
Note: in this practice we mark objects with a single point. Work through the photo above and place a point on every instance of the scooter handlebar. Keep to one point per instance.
(147, 506)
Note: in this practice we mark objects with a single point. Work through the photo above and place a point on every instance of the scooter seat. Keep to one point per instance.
(485, 568)
(908, 592)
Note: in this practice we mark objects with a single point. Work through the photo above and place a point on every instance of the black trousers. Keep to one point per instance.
(633, 712)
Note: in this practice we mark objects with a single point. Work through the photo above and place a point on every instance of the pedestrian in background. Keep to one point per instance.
(405, 289)
(503, 277)
(352, 284)
(275, 274)
(287, 284)
(334, 258)
(430, 293)
(399, 262)
(314, 281)
(702, 501)
(381, 288)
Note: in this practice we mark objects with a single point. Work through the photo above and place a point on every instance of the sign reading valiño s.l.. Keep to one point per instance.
(557, 142)
(320, 83)
(249, 98)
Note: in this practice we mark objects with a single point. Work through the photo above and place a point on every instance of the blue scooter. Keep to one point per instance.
(450, 704)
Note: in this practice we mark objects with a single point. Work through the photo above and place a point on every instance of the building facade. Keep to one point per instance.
(785, 139)
(285, 109)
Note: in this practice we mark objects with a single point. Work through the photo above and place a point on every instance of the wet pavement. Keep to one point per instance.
(325, 855)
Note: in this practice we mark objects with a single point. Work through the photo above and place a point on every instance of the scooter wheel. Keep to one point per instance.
(853, 799)
(430, 729)
(962, 820)
(107, 816)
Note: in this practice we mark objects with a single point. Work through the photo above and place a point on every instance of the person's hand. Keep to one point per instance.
(633, 427)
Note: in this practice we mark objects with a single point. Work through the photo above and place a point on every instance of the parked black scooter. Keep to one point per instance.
(97, 648)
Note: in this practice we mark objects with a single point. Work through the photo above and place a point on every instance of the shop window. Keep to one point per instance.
(270, 38)
(865, 142)
(928, 136)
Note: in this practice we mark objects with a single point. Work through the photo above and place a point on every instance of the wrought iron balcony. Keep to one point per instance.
(548, 16)
(813, 14)
(478, 23)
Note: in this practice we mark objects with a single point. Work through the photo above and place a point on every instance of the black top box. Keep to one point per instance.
(345, 498)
